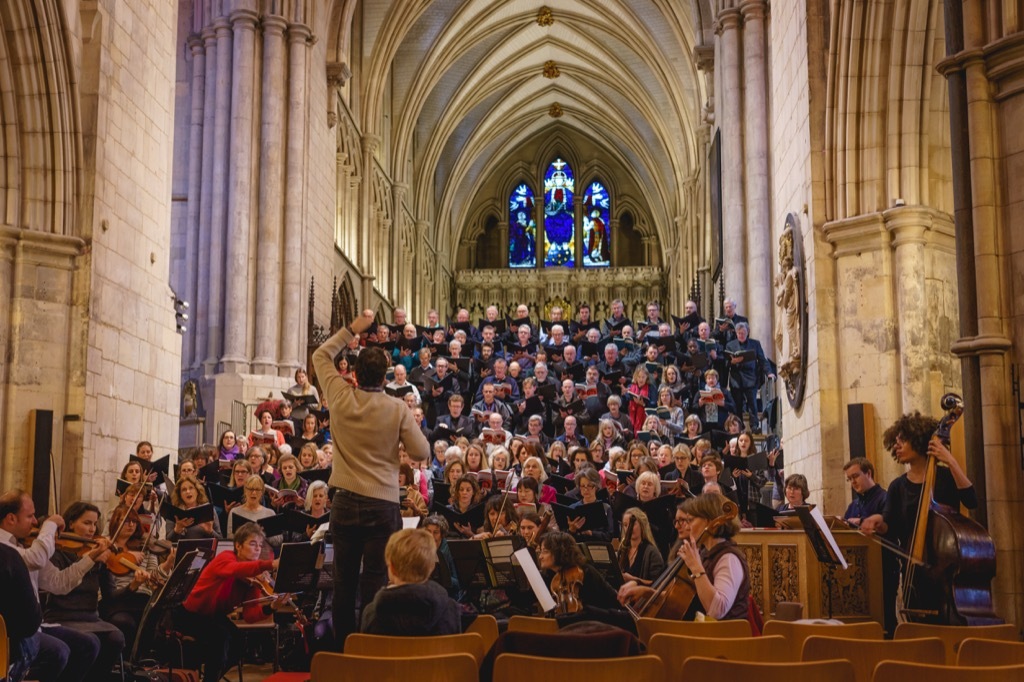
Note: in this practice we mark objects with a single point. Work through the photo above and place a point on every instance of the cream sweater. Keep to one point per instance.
(366, 427)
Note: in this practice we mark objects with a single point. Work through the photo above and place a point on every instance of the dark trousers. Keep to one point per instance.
(746, 400)
(213, 635)
(360, 527)
(60, 654)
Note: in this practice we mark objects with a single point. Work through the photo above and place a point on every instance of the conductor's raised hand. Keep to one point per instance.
(362, 323)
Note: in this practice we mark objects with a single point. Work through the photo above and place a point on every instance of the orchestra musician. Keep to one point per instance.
(576, 585)
(221, 588)
(717, 566)
(642, 562)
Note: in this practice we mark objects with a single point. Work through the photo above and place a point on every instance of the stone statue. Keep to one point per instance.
(787, 298)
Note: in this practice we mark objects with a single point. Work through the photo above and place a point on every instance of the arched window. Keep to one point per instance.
(559, 225)
(522, 229)
(597, 233)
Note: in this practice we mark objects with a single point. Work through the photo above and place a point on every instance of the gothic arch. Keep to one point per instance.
(41, 118)
(348, 305)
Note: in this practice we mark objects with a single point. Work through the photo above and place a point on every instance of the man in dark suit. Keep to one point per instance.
(745, 377)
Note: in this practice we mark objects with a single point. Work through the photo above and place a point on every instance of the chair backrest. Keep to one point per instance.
(698, 668)
(952, 635)
(471, 643)
(328, 667)
(532, 624)
(518, 667)
(673, 650)
(487, 627)
(980, 652)
(648, 627)
(898, 671)
(796, 633)
(789, 610)
(865, 654)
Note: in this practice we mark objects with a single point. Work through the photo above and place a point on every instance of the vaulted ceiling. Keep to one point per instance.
(456, 86)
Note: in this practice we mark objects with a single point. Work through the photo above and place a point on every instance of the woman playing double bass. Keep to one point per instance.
(717, 566)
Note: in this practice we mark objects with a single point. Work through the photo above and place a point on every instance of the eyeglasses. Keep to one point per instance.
(683, 520)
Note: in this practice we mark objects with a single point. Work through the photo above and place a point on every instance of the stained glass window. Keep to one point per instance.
(559, 228)
(597, 243)
(522, 229)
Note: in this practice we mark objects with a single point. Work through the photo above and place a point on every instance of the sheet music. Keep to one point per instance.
(823, 527)
(410, 522)
(540, 589)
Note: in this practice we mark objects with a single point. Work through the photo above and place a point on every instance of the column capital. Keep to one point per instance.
(274, 24)
(299, 33)
(338, 73)
(196, 44)
(222, 26)
(753, 10)
(370, 143)
(209, 35)
(728, 19)
(244, 19)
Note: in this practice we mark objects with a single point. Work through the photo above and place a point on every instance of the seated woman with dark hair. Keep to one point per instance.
(642, 563)
(560, 557)
(79, 608)
(717, 566)
(796, 492)
(464, 495)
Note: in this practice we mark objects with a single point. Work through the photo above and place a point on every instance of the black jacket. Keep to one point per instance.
(412, 610)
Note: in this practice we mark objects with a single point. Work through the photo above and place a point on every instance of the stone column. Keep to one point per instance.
(734, 249)
(218, 198)
(758, 303)
(398, 191)
(577, 212)
(503, 243)
(239, 246)
(342, 171)
(613, 229)
(201, 305)
(367, 212)
(268, 266)
(538, 207)
(190, 350)
(907, 230)
(292, 321)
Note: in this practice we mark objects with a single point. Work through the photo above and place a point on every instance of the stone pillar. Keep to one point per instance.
(398, 191)
(758, 304)
(907, 231)
(538, 207)
(577, 211)
(367, 213)
(342, 178)
(201, 305)
(190, 350)
(268, 265)
(293, 324)
(239, 246)
(218, 199)
(503, 243)
(734, 249)
(613, 229)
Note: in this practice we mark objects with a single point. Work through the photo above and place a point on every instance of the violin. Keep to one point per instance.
(674, 589)
(67, 542)
(565, 587)
(266, 585)
(948, 580)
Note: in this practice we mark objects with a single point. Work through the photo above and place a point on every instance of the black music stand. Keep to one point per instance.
(178, 586)
(826, 549)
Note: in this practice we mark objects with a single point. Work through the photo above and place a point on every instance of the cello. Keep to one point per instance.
(953, 560)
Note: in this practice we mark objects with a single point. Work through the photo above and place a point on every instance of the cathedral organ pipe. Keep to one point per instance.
(271, 178)
(218, 198)
(237, 305)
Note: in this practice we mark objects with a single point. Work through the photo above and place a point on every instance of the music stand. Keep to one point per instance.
(178, 586)
(826, 549)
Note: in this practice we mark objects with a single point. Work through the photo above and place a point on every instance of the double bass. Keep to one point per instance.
(953, 560)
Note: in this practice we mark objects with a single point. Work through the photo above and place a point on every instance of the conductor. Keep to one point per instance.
(367, 427)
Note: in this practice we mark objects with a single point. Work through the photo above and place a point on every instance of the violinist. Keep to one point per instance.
(530, 524)
(641, 560)
(133, 589)
(528, 492)
(500, 518)
(911, 443)
(58, 652)
(222, 587)
(577, 586)
(78, 608)
(717, 566)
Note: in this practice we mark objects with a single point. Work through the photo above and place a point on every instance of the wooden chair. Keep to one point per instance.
(796, 633)
(327, 667)
(674, 650)
(517, 667)
(982, 652)
(532, 624)
(698, 668)
(471, 643)
(897, 671)
(487, 627)
(865, 654)
(648, 627)
(952, 635)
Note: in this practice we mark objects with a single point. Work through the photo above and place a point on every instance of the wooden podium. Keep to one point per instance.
(783, 567)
